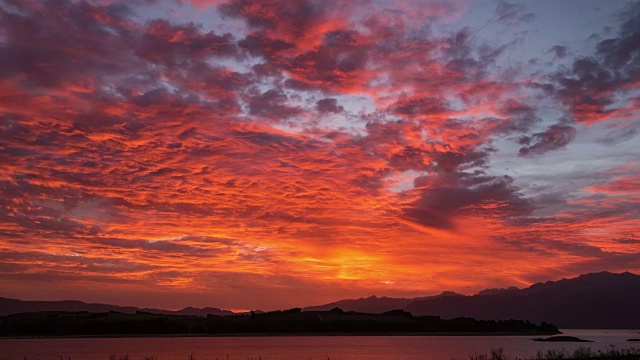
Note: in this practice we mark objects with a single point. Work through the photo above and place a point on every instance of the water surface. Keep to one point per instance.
(301, 347)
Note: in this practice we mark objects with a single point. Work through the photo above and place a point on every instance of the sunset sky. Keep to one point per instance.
(266, 154)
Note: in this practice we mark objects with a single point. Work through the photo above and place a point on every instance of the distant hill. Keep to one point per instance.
(600, 300)
(52, 323)
(374, 304)
(191, 311)
(497, 291)
(13, 306)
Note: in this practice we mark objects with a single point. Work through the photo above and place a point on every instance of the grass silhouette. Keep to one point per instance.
(552, 354)
(580, 353)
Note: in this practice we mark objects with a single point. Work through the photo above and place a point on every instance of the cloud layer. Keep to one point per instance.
(288, 153)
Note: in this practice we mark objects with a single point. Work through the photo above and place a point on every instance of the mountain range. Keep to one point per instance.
(374, 304)
(13, 306)
(591, 301)
(599, 300)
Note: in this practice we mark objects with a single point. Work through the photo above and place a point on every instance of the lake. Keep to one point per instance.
(301, 347)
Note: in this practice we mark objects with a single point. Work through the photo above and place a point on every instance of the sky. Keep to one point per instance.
(269, 154)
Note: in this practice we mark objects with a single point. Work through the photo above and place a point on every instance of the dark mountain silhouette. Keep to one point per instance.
(191, 311)
(374, 304)
(497, 291)
(13, 306)
(601, 300)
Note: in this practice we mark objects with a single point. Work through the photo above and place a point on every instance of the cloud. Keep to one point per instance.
(302, 23)
(465, 193)
(595, 88)
(515, 118)
(620, 133)
(555, 137)
(626, 184)
(180, 45)
(559, 51)
(510, 13)
(327, 105)
(272, 104)
(419, 107)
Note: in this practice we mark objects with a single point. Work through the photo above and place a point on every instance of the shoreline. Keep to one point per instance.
(309, 334)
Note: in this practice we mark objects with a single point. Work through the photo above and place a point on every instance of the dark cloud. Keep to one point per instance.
(334, 65)
(588, 90)
(76, 264)
(461, 193)
(516, 118)
(329, 105)
(409, 158)
(304, 39)
(419, 107)
(512, 13)
(628, 241)
(37, 210)
(163, 246)
(592, 86)
(259, 45)
(555, 137)
(467, 58)
(86, 37)
(180, 45)
(272, 104)
(450, 161)
(294, 18)
(559, 51)
(622, 52)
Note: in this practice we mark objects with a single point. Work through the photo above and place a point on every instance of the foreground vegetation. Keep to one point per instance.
(553, 354)
(494, 354)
